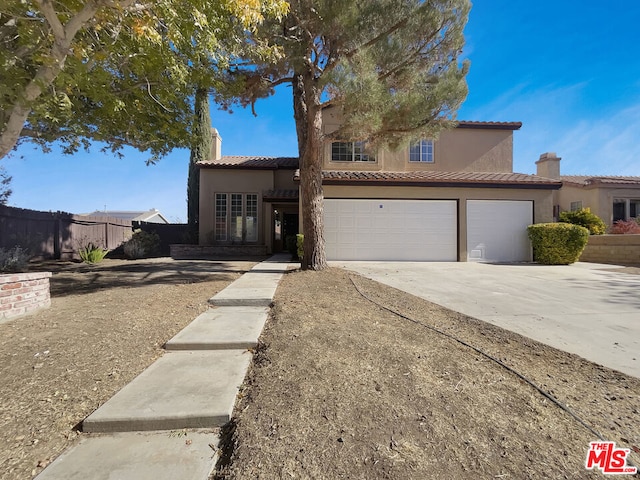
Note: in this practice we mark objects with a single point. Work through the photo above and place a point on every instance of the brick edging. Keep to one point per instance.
(23, 293)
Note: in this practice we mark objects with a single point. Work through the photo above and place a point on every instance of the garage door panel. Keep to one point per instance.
(418, 230)
(497, 230)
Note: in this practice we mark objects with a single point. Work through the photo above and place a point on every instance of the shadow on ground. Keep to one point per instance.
(70, 278)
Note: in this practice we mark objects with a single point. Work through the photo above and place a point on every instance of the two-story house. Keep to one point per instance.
(452, 199)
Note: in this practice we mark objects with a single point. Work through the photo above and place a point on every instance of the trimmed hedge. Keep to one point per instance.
(557, 243)
(585, 218)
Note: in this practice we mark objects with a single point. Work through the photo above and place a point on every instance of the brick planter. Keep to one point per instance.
(22, 293)
(201, 252)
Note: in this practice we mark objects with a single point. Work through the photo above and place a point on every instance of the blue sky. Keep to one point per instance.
(568, 70)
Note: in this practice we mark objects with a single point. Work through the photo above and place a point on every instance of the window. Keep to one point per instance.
(625, 208)
(575, 206)
(236, 217)
(350, 152)
(421, 151)
(221, 216)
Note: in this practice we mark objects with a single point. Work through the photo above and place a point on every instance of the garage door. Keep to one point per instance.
(497, 230)
(402, 230)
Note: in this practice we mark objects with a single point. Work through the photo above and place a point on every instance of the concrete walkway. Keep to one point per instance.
(591, 310)
(161, 425)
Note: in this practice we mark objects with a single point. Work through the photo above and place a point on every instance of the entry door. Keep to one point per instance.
(391, 230)
(497, 230)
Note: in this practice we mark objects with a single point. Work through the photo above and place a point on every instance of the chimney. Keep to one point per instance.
(549, 166)
(216, 145)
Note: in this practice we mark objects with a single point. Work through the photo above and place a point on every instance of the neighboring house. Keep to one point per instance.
(612, 198)
(453, 199)
(149, 216)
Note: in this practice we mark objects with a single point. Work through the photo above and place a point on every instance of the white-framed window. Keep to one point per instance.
(236, 217)
(350, 152)
(421, 151)
(221, 217)
(575, 206)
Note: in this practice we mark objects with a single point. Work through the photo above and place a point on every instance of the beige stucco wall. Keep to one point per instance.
(598, 199)
(459, 149)
(283, 180)
(214, 181)
(542, 200)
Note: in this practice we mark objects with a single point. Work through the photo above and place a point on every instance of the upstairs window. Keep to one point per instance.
(421, 151)
(350, 152)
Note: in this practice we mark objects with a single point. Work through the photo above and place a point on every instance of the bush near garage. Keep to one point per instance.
(585, 218)
(300, 245)
(557, 243)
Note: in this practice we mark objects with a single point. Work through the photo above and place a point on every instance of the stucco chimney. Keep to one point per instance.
(216, 145)
(549, 166)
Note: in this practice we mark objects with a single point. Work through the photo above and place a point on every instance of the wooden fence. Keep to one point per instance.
(169, 233)
(58, 235)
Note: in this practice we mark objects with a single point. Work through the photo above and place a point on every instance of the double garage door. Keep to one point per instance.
(425, 230)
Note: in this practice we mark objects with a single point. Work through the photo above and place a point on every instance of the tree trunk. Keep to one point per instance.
(308, 116)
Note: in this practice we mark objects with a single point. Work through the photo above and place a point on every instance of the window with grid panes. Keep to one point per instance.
(236, 217)
(350, 152)
(221, 217)
(421, 151)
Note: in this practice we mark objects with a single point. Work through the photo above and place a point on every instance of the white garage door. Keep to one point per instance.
(497, 230)
(402, 230)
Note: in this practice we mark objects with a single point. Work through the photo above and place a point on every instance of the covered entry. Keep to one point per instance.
(391, 230)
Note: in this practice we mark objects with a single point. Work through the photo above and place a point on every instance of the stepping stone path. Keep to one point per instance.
(160, 426)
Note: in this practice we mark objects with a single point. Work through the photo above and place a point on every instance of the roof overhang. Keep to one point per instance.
(438, 179)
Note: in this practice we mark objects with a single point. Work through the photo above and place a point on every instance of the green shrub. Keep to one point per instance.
(13, 260)
(91, 253)
(557, 243)
(142, 245)
(300, 245)
(585, 219)
(290, 243)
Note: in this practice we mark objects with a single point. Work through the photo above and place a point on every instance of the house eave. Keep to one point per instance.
(445, 184)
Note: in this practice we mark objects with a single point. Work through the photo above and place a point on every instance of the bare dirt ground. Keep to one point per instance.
(341, 388)
(107, 323)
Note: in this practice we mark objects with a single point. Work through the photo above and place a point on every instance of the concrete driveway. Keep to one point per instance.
(592, 310)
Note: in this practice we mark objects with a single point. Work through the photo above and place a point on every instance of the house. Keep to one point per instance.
(612, 198)
(451, 199)
(149, 216)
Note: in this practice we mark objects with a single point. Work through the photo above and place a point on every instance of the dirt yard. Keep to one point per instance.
(341, 388)
(107, 323)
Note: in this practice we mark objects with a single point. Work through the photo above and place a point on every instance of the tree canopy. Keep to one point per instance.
(392, 67)
(118, 71)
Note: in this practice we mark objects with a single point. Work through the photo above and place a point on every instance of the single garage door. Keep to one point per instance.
(497, 230)
(402, 230)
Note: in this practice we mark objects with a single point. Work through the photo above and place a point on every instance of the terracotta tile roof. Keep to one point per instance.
(490, 125)
(264, 163)
(280, 195)
(593, 180)
(435, 179)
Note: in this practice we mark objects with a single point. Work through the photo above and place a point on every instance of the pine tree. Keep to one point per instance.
(391, 66)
